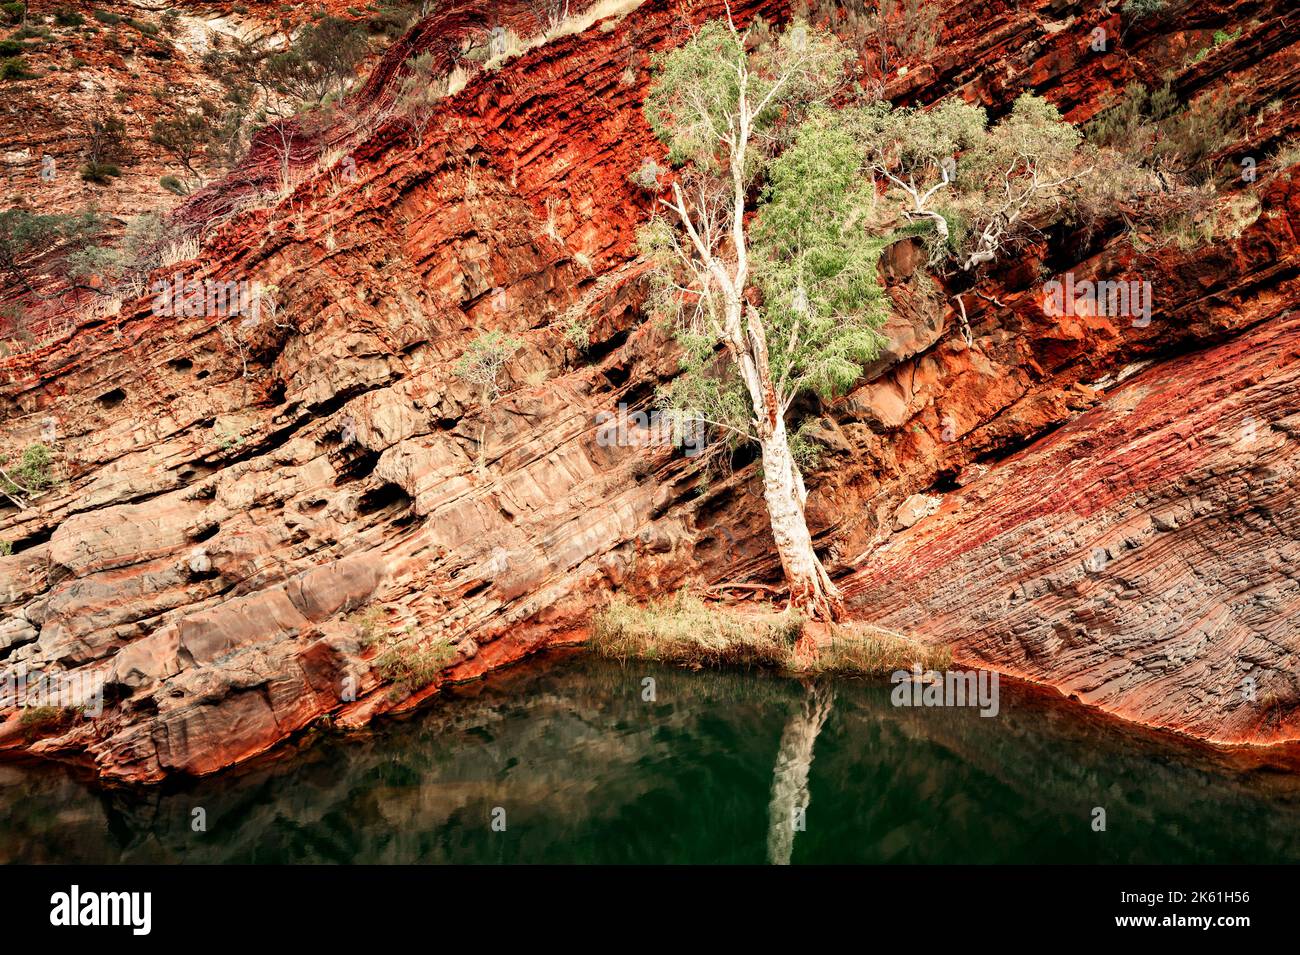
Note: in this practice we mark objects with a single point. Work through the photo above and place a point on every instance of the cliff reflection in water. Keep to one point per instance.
(711, 770)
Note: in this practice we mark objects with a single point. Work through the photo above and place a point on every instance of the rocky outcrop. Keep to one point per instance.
(235, 497)
(1142, 557)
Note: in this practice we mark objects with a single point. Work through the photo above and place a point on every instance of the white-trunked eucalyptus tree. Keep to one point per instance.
(792, 306)
(766, 254)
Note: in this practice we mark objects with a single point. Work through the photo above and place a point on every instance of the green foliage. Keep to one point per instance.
(698, 85)
(183, 136)
(68, 18)
(1286, 155)
(1189, 139)
(391, 21)
(30, 32)
(6, 549)
(25, 235)
(94, 260)
(15, 68)
(419, 92)
(815, 269)
(321, 61)
(104, 16)
(1137, 9)
(265, 84)
(1201, 217)
(138, 253)
(577, 332)
(174, 184)
(43, 717)
(804, 449)
(1222, 36)
(1152, 128)
(105, 136)
(859, 649)
(647, 175)
(14, 12)
(100, 173)
(148, 29)
(483, 361)
(31, 475)
(418, 666)
(10, 48)
(369, 625)
(1125, 121)
(912, 26)
(916, 145)
(820, 298)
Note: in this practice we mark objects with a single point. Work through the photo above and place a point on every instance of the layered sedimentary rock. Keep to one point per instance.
(233, 496)
(1142, 557)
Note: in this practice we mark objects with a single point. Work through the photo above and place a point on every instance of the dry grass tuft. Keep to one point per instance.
(683, 629)
(863, 650)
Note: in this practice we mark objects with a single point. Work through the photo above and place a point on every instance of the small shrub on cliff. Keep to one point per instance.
(369, 624)
(390, 21)
(419, 93)
(1151, 127)
(418, 666)
(483, 361)
(481, 367)
(68, 18)
(913, 25)
(15, 68)
(1138, 9)
(44, 719)
(35, 717)
(33, 33)
(647, 175)
(1201, 216)
(320, 62)
(95, 261)
(105, 146)
(577, 333)
(1287, 155)
(6, 549)
(100, 173)
(148, 29)
(1191, 137)
(32, 474)
(183, 137)
(27, 237)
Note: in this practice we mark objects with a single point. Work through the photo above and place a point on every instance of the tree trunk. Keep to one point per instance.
(485, 408)
(790, 796)
(811, 590)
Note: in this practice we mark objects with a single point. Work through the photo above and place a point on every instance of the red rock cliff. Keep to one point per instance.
(1103, 508)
